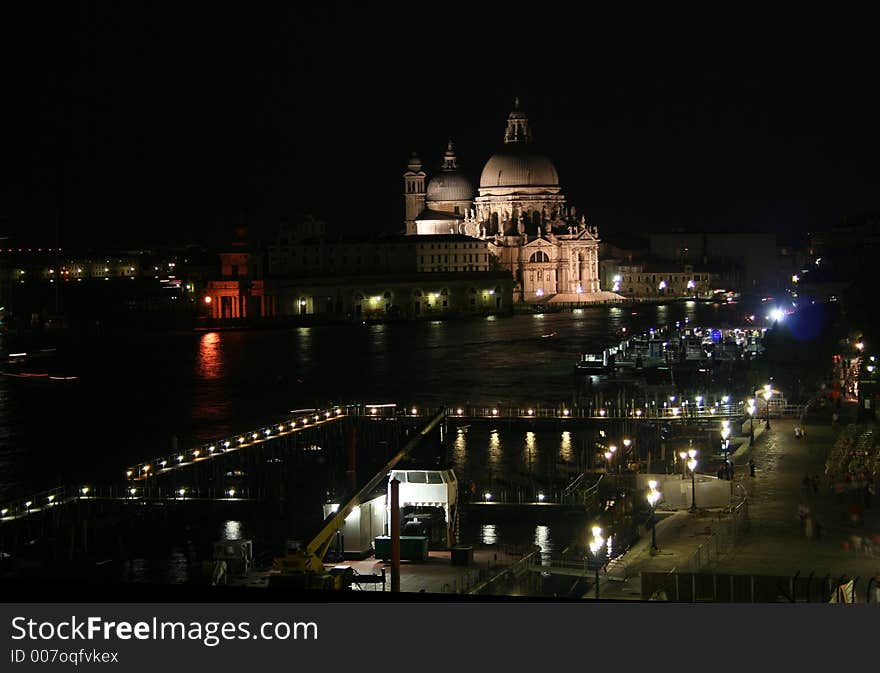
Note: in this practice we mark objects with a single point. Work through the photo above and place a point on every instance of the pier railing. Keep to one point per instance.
(563, 412)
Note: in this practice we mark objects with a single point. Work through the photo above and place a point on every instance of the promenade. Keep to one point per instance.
(776, 542)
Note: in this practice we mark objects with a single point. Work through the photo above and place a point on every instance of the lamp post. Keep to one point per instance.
(692, 465)
(595, 547)
(751, 410)
(683, 455)
(613, 450)
(768, 393)
(608, 455)
(653, 496)
(725, 433)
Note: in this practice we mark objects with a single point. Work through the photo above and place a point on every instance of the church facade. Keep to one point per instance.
(519, 209)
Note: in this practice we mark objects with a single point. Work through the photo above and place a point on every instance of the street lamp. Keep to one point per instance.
(595, 546)
(725, 433)
(627, 443)
(692, 465)
(653, 496)
(608, 455)
(768, 393)
(683, 455)
(613, 450)
(751, 409)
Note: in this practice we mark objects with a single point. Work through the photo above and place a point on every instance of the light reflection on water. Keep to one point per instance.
(542, 539)
(565, 447)
(210, 358)
(487, 534)
(232, 530)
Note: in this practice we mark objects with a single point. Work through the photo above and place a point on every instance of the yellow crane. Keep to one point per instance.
(304, 568)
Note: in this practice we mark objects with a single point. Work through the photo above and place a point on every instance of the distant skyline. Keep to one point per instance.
(141, 124)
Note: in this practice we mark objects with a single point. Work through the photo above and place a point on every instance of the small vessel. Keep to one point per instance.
(593, 363)
(547, 336)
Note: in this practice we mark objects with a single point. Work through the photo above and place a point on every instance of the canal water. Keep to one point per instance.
(140, 395)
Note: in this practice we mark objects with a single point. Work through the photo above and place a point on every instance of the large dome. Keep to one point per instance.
(517, 166)
(450, 186)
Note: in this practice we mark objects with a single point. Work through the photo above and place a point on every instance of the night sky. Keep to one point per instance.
(147, 123)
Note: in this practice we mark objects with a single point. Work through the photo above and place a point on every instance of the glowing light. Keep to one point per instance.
(207, 299)
(196, 453)
(725, 399)
(487, 496)
(241, 440)
(51, 498)
(132, 491)
(414, 411)
(777, 314)
(698, 399)
(691, 285)
(601, 412)
(128, 473)
(638, 412)
(494, 412)
(255, 435)
(181, 492)
(3, 512)
(459, 411)
(662, 285)
(146, 468)
(334, 508)
(531, 412)
(579, 289)
(231, 492)
(84, 490)
(860, 346)
(618, 278)
(373, 411)
(539, 292)
(565, 412)
(541, 497)
(267, 432)
(163, 463)
(226, 444)
(211, 449)
(627, 442)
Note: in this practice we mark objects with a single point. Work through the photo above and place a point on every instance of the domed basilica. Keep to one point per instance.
(519, 210)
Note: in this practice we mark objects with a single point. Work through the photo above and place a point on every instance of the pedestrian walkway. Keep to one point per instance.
(777, 542)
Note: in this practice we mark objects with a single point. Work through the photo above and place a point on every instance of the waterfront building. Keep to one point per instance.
(651, 280)
(519, 210)
(750, 261)
(310, 274)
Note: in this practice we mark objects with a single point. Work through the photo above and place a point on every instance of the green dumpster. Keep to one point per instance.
(412, 547)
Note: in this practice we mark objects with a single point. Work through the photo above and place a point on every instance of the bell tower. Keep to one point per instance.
(413, 192)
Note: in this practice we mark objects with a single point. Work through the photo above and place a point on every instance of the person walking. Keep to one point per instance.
(751, 467)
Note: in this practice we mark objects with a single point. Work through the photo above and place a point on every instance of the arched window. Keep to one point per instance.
(539, 256)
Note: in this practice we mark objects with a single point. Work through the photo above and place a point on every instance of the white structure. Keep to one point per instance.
(364, 523)
(427, 489)
(519, 210)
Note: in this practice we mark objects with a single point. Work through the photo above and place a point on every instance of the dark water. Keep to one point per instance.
(136, 392)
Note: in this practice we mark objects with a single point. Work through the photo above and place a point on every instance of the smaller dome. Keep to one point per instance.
(450, 186)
